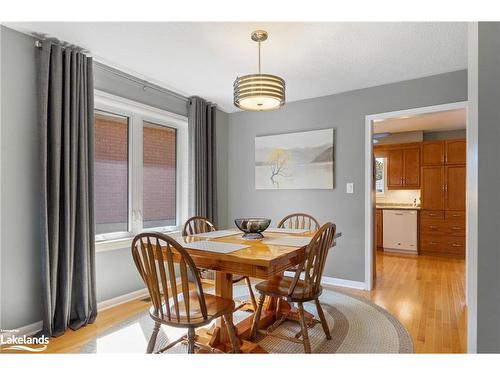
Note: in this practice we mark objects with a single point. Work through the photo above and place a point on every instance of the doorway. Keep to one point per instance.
(395, 172)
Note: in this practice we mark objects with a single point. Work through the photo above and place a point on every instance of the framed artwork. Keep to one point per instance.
(301, 160)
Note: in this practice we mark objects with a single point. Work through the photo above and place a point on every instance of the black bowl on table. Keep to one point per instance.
(252, 227)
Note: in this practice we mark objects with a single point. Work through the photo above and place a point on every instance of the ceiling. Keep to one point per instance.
(428, 122)
(315, 59)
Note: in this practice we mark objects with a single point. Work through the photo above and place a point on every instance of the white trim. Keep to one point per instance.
(33, 328)
(343, 282)
(112, 302)
(29, 329)
(121, 243)
(369, 191)
(333, 281)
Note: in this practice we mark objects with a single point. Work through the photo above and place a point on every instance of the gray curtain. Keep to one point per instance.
(66, 98)
(202, 159)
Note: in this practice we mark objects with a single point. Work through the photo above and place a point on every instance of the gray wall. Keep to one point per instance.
(450, 134)
(20, 290)
(20, 298)
(346, 113)
(488, 275)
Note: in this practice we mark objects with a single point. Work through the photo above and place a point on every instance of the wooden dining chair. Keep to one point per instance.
(200, 224)
(299, 290)
(176, 305)
(299, 221)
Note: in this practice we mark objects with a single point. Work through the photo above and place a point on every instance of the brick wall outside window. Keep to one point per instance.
(111, 173)
(159, 173)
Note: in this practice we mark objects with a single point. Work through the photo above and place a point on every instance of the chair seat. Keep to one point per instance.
(216, 307)
(278, 286)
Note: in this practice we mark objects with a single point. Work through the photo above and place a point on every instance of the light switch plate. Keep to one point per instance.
(349, 188)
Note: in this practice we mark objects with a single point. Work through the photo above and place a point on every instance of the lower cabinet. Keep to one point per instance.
(442, 232)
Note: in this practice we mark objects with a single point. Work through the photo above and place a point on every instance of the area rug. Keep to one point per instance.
(356, 326)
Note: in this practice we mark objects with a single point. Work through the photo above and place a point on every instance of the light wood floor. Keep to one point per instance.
(425, 293)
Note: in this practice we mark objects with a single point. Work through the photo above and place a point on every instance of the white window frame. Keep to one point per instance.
(137, 114)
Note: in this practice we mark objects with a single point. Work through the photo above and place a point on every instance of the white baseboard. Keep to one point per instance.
(33, 328)
(336, 282)
(30, 329)
(112, 302)
(342, 282)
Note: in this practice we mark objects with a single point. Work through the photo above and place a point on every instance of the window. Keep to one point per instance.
(111, 173)
(159, 165)
(380, 175)
(141, 176)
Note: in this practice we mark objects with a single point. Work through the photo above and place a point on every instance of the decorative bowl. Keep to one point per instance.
(252, 227)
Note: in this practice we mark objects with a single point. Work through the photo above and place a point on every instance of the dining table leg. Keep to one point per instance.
(224, 289)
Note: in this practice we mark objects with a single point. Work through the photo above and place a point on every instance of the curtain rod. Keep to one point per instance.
(145, 84)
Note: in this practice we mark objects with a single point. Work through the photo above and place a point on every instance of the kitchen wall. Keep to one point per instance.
(346, 113)
(399, 196)
(20, 291)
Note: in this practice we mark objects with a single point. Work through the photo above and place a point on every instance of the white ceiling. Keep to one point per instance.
(315, 59)
(428, 122)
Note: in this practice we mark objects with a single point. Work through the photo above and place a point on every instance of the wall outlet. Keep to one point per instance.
(349, 188)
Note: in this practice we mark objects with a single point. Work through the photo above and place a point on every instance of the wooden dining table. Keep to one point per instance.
(259, 260)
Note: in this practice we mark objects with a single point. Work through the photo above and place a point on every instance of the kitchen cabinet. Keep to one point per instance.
(443, 187)
(455, 151)
(455, 187)
(442, 219)
(433, 153)
(403, 168)
(432, 192)
(447, 152)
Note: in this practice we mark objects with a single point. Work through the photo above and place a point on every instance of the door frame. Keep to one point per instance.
(471, 208)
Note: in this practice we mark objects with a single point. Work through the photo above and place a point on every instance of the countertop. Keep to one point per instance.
(391, 206)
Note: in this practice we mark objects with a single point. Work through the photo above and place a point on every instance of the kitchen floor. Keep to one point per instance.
(427, 294)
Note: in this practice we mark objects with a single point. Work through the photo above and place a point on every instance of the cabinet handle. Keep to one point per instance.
(432, 215)
(433, 243)
(455, 215)
(432, 226)
(456, 228)
(456, 245)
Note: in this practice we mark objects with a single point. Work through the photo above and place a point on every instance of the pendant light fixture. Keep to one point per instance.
(259, 92)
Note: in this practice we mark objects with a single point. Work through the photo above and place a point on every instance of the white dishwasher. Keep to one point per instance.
(400, 230)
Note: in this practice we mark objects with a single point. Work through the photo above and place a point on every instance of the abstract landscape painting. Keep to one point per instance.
(303, 160)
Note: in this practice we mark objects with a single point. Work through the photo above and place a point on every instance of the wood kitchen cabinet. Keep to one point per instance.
(455, 151)
(443, 187)
(442, 219)
(447, 152)
(403, 168)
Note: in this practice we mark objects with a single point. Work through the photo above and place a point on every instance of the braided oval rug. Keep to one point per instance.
(356, 324)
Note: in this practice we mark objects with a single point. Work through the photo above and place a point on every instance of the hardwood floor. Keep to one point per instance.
(425, 293)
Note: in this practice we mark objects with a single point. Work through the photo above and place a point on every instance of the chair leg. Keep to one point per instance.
(228, 319)
(303, 326)
(252, 295)
(256, 318)
(323, 319)
(152, 340)
(191, 337)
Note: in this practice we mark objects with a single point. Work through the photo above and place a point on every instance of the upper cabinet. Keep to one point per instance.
(403, 167)
(455, 151)
(433, 153)
(447, 152)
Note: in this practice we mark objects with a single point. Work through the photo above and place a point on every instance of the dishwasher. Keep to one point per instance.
(400, 231)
